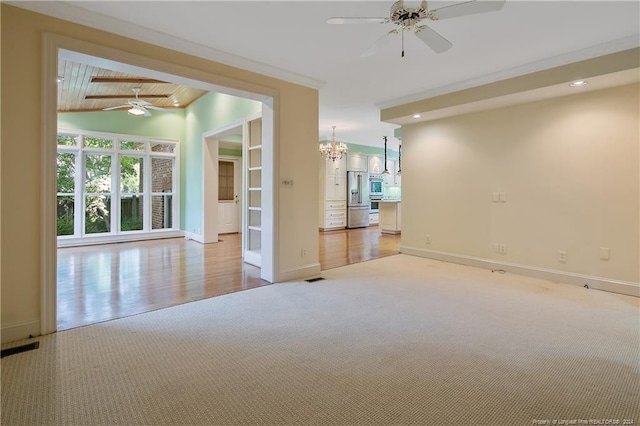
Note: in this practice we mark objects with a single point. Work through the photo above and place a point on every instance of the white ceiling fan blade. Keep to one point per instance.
(382, 41)
(116, 107)
(433, 39)
(146, 112)
(340, 21)
(157, 108)
(466, 8)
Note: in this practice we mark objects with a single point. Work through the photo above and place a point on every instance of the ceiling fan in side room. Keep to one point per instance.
(138, 106)
(409, 19)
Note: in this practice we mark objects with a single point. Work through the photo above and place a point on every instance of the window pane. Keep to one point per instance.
(67, 140)
(65, 215)
(225, 180)
(162, 175)
(92, 142)
(132, 146)
(131, 174)
(161, 211)
(98, 173)
(66, 171)
(97, 216)
(162, 147)
(131, 208)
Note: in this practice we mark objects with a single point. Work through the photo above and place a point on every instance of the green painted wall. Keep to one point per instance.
(367, 149)
(159, 125)
(212, 111)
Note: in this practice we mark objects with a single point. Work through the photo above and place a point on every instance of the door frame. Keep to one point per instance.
(52, 46)
(210, 158)
(237, 184)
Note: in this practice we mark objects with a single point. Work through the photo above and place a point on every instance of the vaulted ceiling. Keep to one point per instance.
(88, 88)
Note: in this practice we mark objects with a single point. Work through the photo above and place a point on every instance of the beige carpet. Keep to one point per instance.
(399, 340)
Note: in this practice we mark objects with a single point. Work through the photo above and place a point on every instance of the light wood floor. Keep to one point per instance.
(104, 282)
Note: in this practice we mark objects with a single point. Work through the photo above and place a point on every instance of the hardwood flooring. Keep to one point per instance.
(104, 282)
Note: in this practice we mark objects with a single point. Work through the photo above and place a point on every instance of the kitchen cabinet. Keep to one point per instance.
(333, 194)
(390, 216)
(357, 163)
(389, 179)
(376, 164)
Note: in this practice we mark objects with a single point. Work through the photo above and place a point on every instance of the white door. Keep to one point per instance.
(228, 196)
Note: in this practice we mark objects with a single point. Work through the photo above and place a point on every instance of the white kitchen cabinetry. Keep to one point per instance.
(357, 163)
(333, 194)
(393, 178)
(390, 217)
(376, 164)
(389, 180)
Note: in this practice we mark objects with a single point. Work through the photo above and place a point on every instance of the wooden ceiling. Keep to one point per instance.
(87, 88)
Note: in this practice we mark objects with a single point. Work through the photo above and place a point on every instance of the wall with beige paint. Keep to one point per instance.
(569, 166)
(21, 86)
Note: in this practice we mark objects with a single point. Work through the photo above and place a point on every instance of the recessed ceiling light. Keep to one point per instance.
(176, 103)
(578, 83)
(416, 116)
(60, 79)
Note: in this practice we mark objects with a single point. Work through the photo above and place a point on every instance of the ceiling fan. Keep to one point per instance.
(408, 19)
(138, 106)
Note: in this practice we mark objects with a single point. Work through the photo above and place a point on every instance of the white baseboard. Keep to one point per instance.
(194, 237)
(19, 331)
(599, 283)
(121, 238)
(303, 272)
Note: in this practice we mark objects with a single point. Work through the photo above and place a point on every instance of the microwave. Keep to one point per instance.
(376, 185)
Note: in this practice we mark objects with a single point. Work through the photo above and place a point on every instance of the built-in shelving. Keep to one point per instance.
(253, 212)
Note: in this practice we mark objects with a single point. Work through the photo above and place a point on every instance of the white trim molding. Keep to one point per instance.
(19, 331)
(531, 67)
(193, 236)
(119, 238)
(599, 283)
(69, 12)
(300, 273)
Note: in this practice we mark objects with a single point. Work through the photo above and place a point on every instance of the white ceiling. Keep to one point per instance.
(290, 39)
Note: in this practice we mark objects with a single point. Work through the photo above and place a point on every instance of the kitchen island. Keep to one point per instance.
(390, 216)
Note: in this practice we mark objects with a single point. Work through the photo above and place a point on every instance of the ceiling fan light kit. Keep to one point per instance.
(409, 18)
(138, 107)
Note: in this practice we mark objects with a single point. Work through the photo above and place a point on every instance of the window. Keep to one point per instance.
(225, 180)
(125, 185)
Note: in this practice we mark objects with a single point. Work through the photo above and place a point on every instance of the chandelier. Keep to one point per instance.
(333, 150)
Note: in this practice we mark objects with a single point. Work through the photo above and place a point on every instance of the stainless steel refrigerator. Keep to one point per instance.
(357, 199)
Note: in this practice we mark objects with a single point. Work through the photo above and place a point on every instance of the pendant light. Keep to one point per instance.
(386, 171)
(399, 158)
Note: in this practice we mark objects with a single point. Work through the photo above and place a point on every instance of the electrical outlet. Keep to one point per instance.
(427, 239)
(604, 253)
(503, 248)
(562, 256)
(303, 252)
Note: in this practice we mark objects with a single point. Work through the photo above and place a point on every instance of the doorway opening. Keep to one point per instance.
(111, 263)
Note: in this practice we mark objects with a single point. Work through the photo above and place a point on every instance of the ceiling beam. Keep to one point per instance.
(126, 96)
(125, 80)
